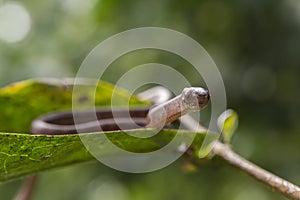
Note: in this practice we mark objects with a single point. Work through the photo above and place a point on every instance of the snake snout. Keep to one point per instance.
(203, 98)
(196, 97)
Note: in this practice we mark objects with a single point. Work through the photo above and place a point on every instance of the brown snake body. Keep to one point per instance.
(57, 123)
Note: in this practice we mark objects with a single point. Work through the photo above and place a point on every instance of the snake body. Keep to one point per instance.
(57, 123)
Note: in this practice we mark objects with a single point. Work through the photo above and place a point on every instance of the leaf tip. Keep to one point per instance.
(227, 124)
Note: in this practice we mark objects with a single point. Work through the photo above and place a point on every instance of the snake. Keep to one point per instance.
(190, 100)
(159, 115)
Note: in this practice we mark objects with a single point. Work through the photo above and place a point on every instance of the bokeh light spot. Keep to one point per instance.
(15, 22)
(78, 7)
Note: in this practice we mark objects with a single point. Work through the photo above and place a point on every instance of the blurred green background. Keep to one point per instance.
(255, 44)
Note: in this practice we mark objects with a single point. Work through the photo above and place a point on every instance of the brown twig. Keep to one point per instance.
(171, 110)
(27, 188)
(281, 185)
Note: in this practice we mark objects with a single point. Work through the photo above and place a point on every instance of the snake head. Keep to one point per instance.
(195, 98)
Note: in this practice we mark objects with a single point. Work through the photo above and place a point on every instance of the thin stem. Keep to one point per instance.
(279, 184)
(27, 188)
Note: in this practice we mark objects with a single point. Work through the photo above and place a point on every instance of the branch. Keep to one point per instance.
(27, 189)
(288, 189)
(279, 184)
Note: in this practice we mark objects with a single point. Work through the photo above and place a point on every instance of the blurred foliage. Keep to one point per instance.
(256, 46)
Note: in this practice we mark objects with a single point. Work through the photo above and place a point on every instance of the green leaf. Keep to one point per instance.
(24, 154)
(228, 123)
(22, 102)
